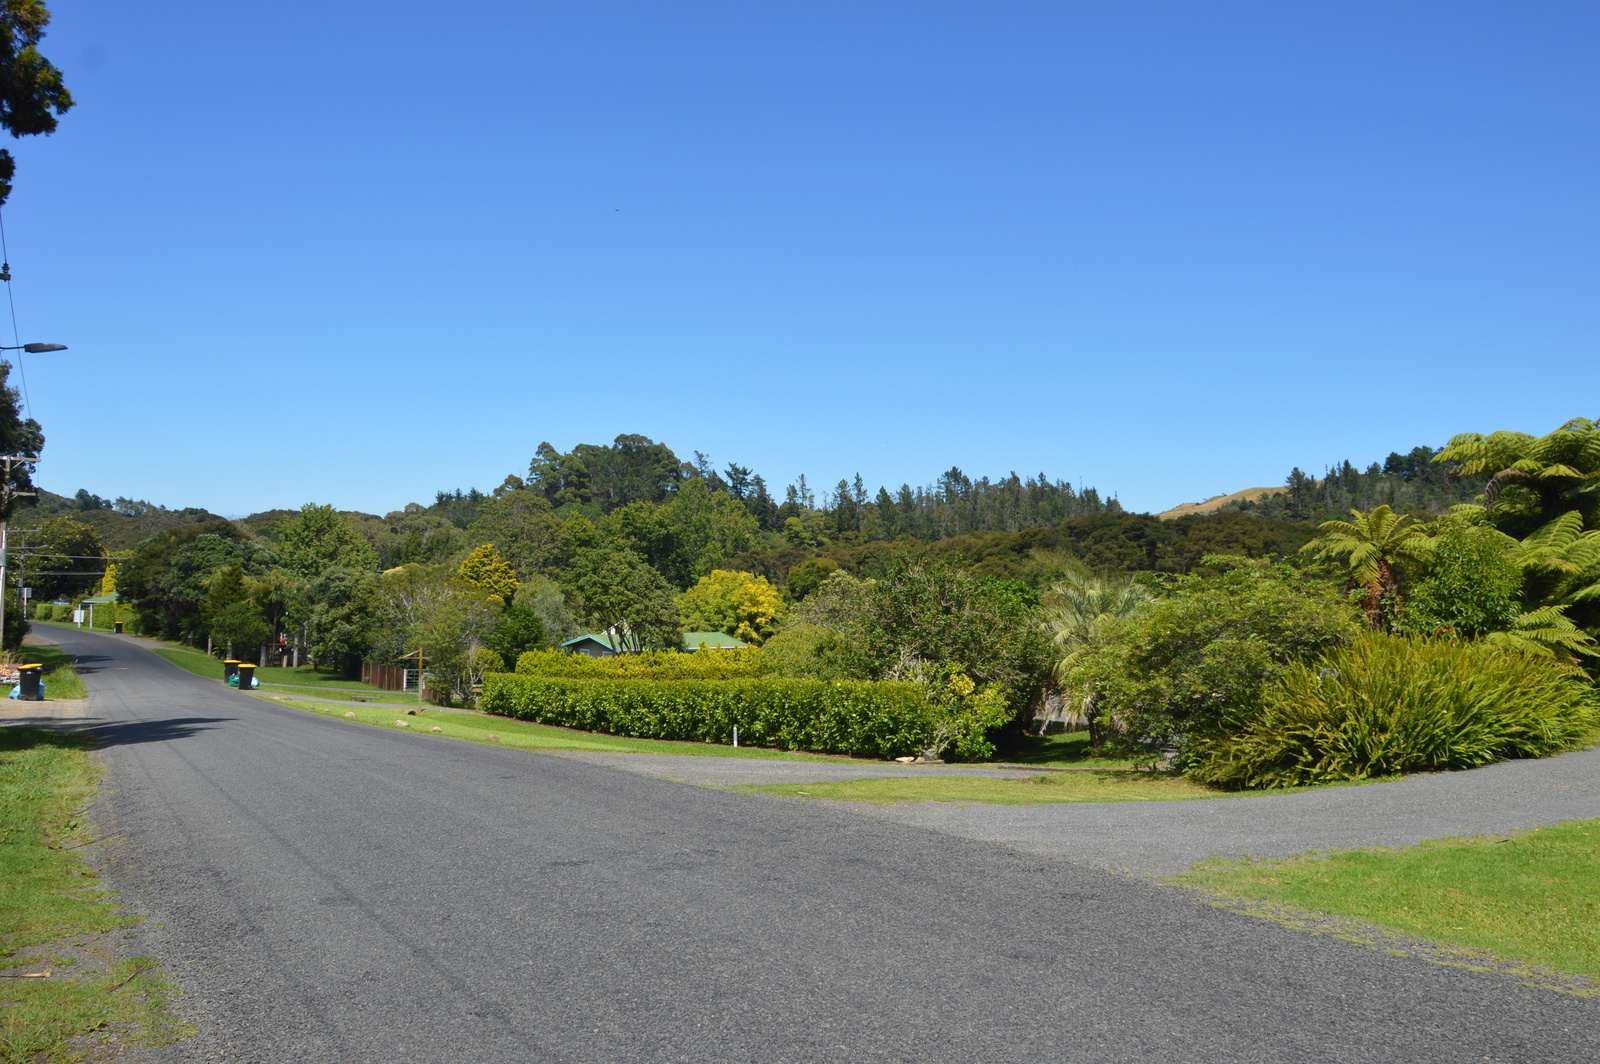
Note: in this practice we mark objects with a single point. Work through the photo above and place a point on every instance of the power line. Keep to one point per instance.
(16, 334)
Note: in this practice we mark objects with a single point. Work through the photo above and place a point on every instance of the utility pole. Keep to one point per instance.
(6, 495)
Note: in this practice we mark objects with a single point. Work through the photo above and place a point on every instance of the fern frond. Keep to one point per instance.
(1548, 633)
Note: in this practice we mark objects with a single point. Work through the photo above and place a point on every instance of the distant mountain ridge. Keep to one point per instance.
(118, 529)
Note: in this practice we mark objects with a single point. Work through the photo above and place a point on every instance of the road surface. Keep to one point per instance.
(331, 892)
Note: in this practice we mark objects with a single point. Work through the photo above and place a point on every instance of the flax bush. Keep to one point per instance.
(1385, 705)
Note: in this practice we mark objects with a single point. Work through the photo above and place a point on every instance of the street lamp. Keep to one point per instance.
(34, 349)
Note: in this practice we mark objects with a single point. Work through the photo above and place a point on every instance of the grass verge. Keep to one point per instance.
(320, 684)
(1109, 786)
(478, 727)
(55, 918)
(1529, 896)
(61, 680)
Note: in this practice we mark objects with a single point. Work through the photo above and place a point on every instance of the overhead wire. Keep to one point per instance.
(16, 334)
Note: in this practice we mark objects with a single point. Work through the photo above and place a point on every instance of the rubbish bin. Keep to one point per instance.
(116, 626)
(31, 678)
(230, 669)
(247, 676)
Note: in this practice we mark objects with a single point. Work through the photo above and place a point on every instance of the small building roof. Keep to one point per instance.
(101, 600)
(712, 640)
(602, 640)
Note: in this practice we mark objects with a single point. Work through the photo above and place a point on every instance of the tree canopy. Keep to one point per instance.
(318, 539)
(32, 93)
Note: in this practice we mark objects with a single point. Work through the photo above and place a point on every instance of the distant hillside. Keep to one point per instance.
(1217, 502)
(120, 529)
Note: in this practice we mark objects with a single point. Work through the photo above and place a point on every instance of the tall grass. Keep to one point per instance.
(1385, 705)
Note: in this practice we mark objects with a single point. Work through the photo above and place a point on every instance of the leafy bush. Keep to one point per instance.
(105, 615)
(963, 712)
(926, 611)
(866, 719)
(1188, 667)
(1472, 585)
(650, 665)
(1390, 704)
(807, 651)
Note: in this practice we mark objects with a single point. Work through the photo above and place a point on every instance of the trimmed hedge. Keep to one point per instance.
(651, 665)
(853, 717)
(105, 616)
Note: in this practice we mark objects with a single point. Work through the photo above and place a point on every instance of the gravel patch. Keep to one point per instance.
(1162, 838)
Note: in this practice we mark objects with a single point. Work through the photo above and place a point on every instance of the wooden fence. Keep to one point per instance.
(384, 677)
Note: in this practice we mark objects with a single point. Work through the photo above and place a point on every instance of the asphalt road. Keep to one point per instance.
(333, 892)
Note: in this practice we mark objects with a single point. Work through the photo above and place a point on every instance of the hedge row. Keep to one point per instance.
(105, 616)
(651, 665)
(853, 717)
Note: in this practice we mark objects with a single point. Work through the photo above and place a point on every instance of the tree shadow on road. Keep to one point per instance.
(85, 662)
(128, 733)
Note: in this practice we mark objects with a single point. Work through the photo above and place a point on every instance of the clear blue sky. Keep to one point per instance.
(358, 252)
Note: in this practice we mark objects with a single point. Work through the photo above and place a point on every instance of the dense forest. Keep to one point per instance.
(686, 518)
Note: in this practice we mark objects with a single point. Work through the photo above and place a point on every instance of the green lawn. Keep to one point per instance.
(1106, 786)
(55, 918)
(1530, 896)
(322, 684)
(478, 727)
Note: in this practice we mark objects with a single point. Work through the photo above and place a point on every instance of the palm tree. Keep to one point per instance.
(1076, 606)
(1375, 545)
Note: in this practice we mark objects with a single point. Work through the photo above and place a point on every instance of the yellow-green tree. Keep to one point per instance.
(486, 570)
(108, 583)
(737, 603)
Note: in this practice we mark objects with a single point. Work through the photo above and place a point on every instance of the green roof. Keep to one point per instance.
(602, 640)
(102, 599)
(712, 640)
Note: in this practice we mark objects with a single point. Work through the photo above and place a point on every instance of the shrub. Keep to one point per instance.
(866, 719)
(1472, 585)
(1186, 668)
(807, 651)
(649, 665)
(105, 615)
(1392, 704)
(963, 712)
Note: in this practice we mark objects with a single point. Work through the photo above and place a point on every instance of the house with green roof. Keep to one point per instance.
(602, 646)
